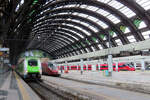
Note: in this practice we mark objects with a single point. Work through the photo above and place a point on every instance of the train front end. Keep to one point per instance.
(33, 68)
(52, 69)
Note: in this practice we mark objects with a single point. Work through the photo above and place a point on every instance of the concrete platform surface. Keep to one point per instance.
(131, 80)
(12, 87)
(95, 92)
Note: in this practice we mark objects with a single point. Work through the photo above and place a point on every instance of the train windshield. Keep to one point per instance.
(130, 65)
(52, 66)
(32, 62)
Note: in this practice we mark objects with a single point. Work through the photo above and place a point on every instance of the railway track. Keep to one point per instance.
(45, 91)
(54, 88)
(50, 92)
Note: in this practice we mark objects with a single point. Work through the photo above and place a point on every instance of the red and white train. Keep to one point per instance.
(121, 67)
(49, 68)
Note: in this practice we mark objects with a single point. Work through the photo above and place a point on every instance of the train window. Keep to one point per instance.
(52, 66)
(105, 66)
(130, 65)
(122, 65)
(32, 62)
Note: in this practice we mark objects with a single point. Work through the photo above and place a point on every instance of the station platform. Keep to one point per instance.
(12, 87)
(130, 80)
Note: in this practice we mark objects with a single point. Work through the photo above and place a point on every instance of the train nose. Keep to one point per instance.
(55, 72)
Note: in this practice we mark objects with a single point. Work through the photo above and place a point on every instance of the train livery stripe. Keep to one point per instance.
(23, 91)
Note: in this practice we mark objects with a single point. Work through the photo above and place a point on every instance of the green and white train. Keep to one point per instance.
(29, 67)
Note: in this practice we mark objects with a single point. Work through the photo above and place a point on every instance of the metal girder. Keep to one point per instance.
(49, 48)
(81, 26)
(138, 10)
(115, 12)
(101, 30)
(68, 51)
(53, 46)
(115, 27)
(69, 32)
(98, 16)
(115, 50)
(128, 59)
(84, 20)
(74, 29)
(60, 41)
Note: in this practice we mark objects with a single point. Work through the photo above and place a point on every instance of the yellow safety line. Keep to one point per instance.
(23, 91)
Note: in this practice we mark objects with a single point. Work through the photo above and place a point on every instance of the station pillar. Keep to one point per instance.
(66, 69)
(110, 65)
(142, 65)
(116, 66)
(81, 66)
(135, 65)
(87, 64)
(87, 67)
(99, 66)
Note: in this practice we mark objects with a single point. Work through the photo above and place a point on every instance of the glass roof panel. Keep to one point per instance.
(115, 4)
(107, 43)
(118, 41)
(83, 6)
(146, 34)
(103, 12)
(127, 30)
(100, 46)
(83, 15)
(105, 38)
(92, 8)
(101, 23)
(104, 25)
(104, 1)
(78, 52)
(79, 28)
(93, 48)
(93, 28)
(92, 18)
(87, 25)
(114, 19)
(126, 11)
(87, 49)
(111, 17)
(69, 35)
(114, 34)
(144, 3)
(82, 51)
(131, 38)
(63, 39)
(74, 32)
(142, 25)
(70, 5)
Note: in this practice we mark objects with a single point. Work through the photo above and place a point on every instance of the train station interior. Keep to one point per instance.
(74, 49)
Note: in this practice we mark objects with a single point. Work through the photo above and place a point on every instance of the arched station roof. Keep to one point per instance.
(72, 27)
